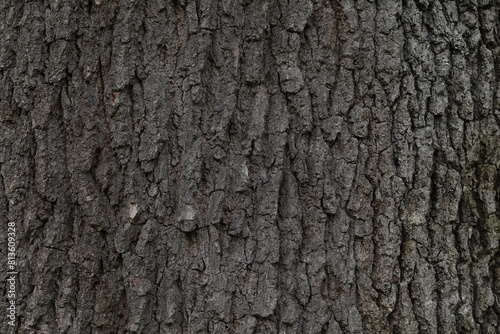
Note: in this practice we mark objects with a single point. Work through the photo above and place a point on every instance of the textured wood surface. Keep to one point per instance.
(261, 166)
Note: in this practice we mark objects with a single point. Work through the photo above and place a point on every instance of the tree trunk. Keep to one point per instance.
(288, 166)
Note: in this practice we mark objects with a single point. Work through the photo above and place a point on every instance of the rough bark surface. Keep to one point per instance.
(288, 166)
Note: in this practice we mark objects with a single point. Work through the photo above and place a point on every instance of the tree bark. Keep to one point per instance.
(298, 166)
